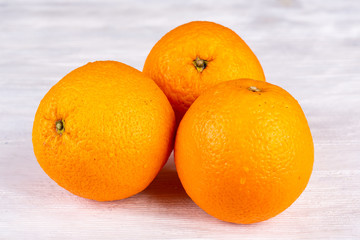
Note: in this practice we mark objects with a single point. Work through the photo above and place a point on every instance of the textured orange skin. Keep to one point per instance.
(170, 62)
(244, 156)
(118, 131)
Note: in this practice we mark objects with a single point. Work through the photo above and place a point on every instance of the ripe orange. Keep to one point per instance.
(195, 56)
(244, 151)
(104, 131)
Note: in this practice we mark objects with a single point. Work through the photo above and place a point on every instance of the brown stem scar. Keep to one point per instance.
(200, 64)
(254, 89)
(60, 126)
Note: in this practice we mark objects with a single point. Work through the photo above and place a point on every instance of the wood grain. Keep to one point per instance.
(310, 48)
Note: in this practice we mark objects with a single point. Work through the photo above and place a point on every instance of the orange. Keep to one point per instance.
(195, 56)
(243, 151)
(104, 131)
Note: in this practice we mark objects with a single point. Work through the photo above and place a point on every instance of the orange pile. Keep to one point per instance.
(243, 148)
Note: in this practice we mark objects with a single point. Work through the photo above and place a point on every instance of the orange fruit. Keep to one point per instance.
(104, 131)
(195, 56)
(244, 151)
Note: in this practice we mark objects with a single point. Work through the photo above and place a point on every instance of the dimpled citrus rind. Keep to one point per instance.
(170, 63)
(118, 131)
(244, 156)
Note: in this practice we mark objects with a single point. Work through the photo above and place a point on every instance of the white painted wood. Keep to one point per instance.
(310, 48)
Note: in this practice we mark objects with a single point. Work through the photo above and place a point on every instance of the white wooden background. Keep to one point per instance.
(310, 48)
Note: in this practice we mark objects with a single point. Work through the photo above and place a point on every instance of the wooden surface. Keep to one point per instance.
(310, 48)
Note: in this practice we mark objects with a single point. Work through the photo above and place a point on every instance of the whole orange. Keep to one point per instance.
(195, 56)
(243, 151)
(104, 131)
